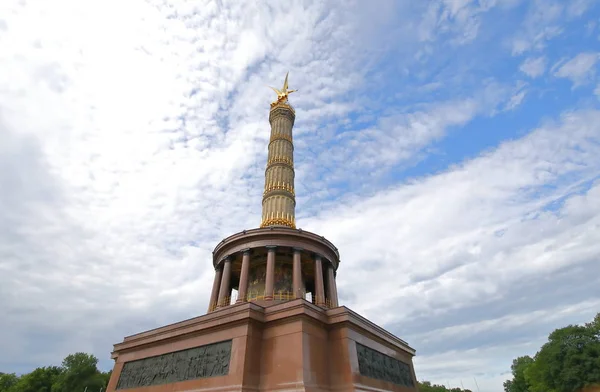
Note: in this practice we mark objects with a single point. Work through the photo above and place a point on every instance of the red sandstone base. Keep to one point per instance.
(292, 346)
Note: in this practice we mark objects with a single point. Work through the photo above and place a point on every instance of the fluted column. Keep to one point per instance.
(243, 288)
(331, 286)
(270, 278)
(297, 272)
(279, 200)
(214, 295)
(225, 288)
(319, 286)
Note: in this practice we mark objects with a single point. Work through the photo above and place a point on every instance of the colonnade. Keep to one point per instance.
(221, 290)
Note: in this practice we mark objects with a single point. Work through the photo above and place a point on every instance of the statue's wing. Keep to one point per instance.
(285, 83)
(276, 91)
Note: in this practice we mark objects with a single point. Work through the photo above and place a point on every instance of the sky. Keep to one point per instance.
(449, 148)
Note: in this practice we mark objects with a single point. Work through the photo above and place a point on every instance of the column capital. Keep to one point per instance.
(245, 251)
(271, 247)
(297, 249)
(319, 256)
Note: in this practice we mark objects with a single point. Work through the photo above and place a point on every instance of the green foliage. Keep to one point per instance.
(77, 372)
(80, 371)
(519, 383)
(568, 362)
(39, 380)
(7, 381)
(426, 386)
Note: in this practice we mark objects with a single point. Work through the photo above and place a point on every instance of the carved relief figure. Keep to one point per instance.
(199, 362)
(373, 364)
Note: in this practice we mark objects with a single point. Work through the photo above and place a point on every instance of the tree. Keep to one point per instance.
(105, 377)
(39, 380)
(426, 386)
(594, 326)
(519, 382)
(7, 381)
(79, 372)
(568, 362)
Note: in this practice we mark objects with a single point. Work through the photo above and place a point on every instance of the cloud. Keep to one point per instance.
(577, 8)
(533, 67)
(484, 374)
(516, 100)
(394, 141)
(580, 69)
(131, 151)
(458, 21)
(541, 23)
(545, 21)
(135, 148)
(473, 241)
(550, 163)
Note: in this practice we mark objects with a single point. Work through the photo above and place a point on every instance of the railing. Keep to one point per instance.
(277, 295)
(281, 295)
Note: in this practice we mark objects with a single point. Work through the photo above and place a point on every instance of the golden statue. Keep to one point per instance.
(282, 95)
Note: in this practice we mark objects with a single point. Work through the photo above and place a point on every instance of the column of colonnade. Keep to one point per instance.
(221, 290)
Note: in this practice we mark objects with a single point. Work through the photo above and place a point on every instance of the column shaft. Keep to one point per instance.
(278, 207)
(243, 289)
(297, 273)
(225, 289)
(270, 278)
(331, 287)
(319, 286)
(214, 295)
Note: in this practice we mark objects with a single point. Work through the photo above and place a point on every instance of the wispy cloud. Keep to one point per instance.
(533, 67)
(474, 240)
(128, 152)
(542, 23)
(580, 69)
(577, 8)
(507, 191)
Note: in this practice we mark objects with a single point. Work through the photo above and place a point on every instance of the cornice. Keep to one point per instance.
(282, 236)
(250, 313)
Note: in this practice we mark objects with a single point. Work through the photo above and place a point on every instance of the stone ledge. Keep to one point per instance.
(243, 313)
(279, 236)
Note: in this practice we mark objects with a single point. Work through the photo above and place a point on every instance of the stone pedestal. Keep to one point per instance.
(291, 346)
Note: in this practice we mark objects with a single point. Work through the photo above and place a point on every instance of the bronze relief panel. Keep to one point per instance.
(373, 364)
(199, 362)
